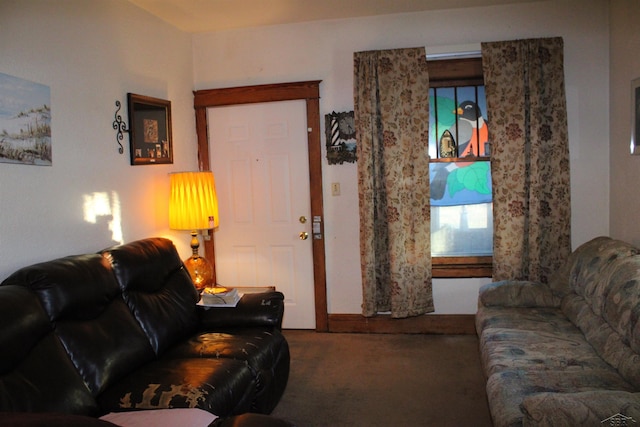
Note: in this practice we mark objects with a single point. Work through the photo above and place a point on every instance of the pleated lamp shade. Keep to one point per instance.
(193, 206)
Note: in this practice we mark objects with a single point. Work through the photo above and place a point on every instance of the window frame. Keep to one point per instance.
(451, 73)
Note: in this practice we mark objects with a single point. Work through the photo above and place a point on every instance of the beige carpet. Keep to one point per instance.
(384, 380)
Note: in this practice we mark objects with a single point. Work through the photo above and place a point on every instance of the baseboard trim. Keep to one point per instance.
(454, 324)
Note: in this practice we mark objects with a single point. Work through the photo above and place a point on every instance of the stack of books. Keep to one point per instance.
(220, 296)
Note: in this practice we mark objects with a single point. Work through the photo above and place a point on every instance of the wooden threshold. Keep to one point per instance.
(445, 324)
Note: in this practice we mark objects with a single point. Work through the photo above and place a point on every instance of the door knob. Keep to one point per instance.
(304, 235)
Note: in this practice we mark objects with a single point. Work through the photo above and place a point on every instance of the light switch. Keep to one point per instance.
(335, 188)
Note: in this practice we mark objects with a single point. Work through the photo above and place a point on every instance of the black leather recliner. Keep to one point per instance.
(120, 330)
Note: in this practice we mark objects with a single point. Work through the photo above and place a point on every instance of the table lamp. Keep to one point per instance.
(194, 206)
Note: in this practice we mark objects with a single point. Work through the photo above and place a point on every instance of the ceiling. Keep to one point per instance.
(197, 16)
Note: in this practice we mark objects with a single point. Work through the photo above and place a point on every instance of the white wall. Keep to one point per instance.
(625, 169)
(324, 51)
(90, 54)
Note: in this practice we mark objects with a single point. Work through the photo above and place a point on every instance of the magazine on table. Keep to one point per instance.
(219, 296)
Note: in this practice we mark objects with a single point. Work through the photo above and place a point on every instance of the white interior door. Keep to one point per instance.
(258, 154)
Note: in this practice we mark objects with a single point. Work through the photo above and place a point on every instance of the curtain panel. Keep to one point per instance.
(524, 81)
(391, 107)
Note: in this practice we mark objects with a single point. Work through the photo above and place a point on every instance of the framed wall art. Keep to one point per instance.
(150, 130)
(635, 116)
(25, 122)
(341, 137)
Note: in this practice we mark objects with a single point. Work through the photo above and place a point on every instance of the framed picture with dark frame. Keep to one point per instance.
(150, 130)
(635, 116)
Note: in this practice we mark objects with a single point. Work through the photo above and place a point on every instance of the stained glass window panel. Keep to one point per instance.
(461, 111)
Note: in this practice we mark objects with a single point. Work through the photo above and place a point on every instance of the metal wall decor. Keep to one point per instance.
(120, 126)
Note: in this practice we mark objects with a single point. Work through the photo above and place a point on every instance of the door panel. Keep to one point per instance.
(258, 153)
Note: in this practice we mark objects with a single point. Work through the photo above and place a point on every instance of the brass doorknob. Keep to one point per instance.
(304, 235)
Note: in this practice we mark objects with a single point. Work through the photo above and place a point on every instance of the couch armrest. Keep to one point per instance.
(517, 293)
(589, 408)
(259, 309)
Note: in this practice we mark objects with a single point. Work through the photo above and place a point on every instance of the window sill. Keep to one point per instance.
(467, 159)
(462, 267)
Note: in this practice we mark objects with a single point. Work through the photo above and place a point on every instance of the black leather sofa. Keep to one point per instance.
(120, 330)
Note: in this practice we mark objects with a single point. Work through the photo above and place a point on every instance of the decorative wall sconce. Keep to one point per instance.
(120, 126)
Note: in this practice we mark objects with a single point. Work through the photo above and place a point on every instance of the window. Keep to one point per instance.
(460, 177)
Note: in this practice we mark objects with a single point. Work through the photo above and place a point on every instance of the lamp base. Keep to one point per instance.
(200, 270)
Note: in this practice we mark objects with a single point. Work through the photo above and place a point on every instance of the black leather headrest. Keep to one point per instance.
(24, 323)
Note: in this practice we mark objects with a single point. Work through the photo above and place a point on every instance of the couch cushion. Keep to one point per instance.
(506, 390)
(589, 408)
(543, 319)
(29, 351)
(559, 281)
(257, 347)
(96, 328)
(24, 324)
(585, 262)
(608, 314)
(620, 302)
(517, 293)
(221, 386)
(264, 350)
(506, 349)
(533, 339)
(589, 260)
(604, 339)
(157, 288)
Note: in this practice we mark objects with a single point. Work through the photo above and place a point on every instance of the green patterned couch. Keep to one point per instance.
(566, 353)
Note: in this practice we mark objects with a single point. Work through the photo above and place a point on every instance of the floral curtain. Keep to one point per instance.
(524, 81)
(391, 89)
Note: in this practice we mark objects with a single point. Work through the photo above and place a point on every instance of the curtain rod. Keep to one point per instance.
(454, 55)
(459, 51)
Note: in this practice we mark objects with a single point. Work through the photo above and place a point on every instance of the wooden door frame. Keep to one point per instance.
(310, 92)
